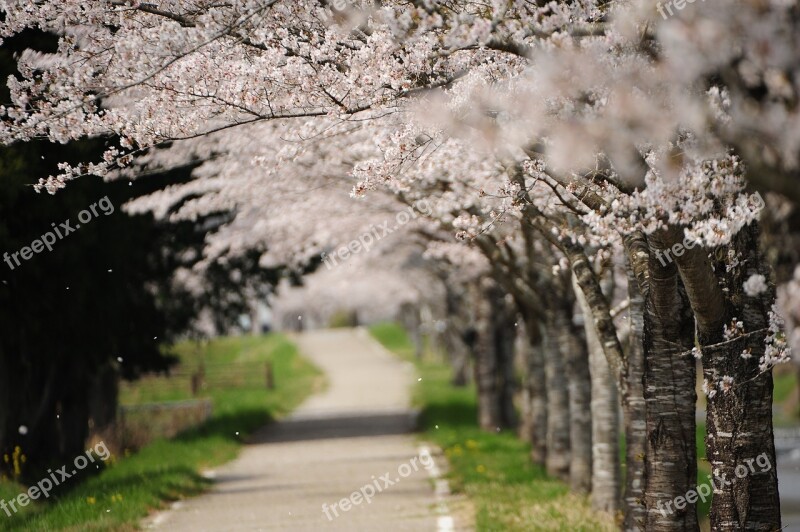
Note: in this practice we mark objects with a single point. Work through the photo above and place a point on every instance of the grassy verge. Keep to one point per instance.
(124, 492)
(493, 470)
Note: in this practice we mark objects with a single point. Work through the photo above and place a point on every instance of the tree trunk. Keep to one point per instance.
(740, 445)
(494, 354)
(669, 392)
(605, 419)
(634, 408)
(558, 445)
(103, 403)
(6, 407)
(485, 366)
(458, 353)
(410, 318)
(535, 402)
(739, 435)
(454, 336)
(504, 335)
(576, 356)
(255, 319)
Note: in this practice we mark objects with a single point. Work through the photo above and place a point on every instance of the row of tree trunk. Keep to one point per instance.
(589, 384)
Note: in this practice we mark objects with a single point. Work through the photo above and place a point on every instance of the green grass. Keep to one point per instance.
(231, 364)
(493, 469)
(166, 470)
(785, 383)
(703, 470)
(394, 338)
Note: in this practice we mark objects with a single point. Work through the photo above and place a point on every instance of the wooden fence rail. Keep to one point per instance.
(138, 425)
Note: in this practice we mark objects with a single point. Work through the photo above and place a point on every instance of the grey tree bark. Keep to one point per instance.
(504, 331)
(634, 409)
(485, 365)
(576, 356)
(669, 384)
(557, 462)
(493, 358)
(534, 427)
(627, 372)
(255, 319)
(410, 318)
(600, 312)
(454, 335)
(606, 473)
(739, 434)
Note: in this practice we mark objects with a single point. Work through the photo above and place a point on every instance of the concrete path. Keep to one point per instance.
(352, 441)
(787, 450)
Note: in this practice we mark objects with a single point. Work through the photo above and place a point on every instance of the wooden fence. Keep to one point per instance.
(138, 425)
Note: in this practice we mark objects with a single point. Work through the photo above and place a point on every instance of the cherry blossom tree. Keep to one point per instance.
(580, 130)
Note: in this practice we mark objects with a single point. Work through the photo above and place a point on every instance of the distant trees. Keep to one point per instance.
(98, 305)
(75, 319)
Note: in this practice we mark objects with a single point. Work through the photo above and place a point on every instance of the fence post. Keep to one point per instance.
(197, 379)
(195, 384)
(269, 375)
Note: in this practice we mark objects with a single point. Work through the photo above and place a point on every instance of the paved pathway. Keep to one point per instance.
(338, 442)
(787, 449)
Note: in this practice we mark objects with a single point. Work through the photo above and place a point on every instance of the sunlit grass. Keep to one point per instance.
(166, 470)
(493, 469)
